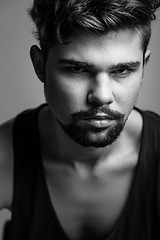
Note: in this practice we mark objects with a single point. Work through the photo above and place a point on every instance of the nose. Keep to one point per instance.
(101, 90)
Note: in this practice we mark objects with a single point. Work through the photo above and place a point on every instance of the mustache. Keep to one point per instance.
(113, 114)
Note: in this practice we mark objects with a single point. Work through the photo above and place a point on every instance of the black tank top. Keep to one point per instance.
(34, 217)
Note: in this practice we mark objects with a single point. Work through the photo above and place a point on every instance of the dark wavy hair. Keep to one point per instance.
(55, 20)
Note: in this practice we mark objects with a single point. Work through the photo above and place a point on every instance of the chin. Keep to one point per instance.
(98, 138)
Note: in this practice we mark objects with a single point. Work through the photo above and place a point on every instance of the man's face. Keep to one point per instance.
(92, 84)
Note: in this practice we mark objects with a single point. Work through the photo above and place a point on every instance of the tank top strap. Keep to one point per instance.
(26, 149)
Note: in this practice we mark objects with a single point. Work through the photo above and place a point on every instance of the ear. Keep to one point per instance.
(37, 61)
(147, 56)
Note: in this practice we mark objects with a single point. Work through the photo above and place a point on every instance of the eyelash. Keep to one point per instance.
(121, 72)
(72, 69)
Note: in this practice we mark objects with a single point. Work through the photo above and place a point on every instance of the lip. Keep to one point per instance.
(98, 122)
(99, 117)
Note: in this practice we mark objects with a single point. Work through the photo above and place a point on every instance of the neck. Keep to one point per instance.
(60, 147)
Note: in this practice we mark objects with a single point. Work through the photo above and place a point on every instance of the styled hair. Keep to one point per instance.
(55, 20)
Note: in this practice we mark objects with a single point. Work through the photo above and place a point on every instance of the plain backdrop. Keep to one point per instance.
(19, 86)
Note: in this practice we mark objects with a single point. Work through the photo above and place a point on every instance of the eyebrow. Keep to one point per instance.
(74, 62)
(126, 65)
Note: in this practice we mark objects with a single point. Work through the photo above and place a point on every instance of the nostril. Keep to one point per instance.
(90, 97)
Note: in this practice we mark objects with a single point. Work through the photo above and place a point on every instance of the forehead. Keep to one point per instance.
(112, 48)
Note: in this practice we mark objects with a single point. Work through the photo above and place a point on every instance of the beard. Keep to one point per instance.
(91, 136)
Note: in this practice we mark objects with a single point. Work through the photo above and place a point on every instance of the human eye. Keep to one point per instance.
(76, 70)
(122, 72)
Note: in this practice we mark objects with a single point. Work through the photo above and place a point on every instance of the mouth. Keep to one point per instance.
(98, 121)
(100, 118)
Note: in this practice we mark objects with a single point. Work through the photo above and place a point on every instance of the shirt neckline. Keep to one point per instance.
(119, 221)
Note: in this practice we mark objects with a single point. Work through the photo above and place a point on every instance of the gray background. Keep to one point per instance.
(19, 86)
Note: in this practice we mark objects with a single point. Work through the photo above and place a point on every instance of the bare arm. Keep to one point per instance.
(6, 165)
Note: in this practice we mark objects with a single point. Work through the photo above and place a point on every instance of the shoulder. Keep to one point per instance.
(144, 127)
(11, 131)
(150, 116)
(151, 125)
(6, 164)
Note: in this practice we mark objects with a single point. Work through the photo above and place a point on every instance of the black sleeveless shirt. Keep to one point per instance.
(34, 217)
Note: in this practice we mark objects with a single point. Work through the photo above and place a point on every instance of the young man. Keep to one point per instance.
(85, 165)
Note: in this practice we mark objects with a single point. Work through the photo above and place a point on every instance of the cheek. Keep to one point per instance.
(133, 91)
(65, 96)
(127, 94)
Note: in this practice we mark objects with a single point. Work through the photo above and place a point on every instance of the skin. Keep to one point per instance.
(70, 88)
(79, 172)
